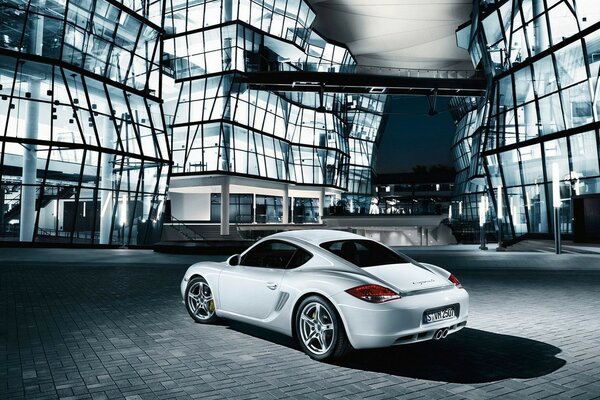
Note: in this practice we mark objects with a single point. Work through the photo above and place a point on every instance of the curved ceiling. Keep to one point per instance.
(397, 33)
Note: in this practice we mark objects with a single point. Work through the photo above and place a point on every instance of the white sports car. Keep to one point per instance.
(330, 290)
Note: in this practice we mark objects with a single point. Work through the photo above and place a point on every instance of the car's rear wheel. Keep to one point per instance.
(199, 301)
(320, 330)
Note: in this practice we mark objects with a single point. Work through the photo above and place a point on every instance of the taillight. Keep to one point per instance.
(373, 293)
(455, 280)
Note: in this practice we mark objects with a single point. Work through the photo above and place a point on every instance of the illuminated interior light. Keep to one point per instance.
(555, 185)
(482, 211)
(160, 209)
(106, 203)
(500, 205)
(123, 209)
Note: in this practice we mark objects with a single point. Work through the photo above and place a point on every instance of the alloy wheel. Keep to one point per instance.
(317, 330)
(200, 300)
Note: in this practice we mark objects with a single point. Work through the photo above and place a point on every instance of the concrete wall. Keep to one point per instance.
(190, 206)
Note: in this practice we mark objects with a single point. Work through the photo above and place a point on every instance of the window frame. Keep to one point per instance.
(287, 264)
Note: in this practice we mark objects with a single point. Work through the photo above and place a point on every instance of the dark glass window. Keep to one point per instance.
(240, 208)
(270, 254)
(306, 210)
(299, 258)
(276, 254)
(364, 253)
(269, 209)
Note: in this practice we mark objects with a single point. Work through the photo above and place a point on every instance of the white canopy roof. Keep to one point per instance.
(397, 33)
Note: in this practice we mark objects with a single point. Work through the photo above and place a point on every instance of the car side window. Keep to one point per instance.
(299, 258)
(270, 254)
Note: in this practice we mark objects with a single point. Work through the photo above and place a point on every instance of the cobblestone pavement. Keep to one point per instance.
(84, 324)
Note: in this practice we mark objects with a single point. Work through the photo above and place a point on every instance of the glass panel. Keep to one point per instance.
(531, 159)
(578, 105)
(564, 23)
(545, 76)
(570, 64)
(584, 155)
(510, 165)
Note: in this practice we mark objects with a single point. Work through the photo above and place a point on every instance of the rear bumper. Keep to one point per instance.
(399, 321)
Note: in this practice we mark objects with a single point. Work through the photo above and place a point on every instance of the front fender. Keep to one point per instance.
(209, 271)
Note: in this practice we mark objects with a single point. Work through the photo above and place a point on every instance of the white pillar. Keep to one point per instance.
(321, 204)
(540, 29)
(556, 202)
(530, 123)
(106, 181)
(227, 10)
(29, 173)
(286, 205)
(28, 188)
(225, 206)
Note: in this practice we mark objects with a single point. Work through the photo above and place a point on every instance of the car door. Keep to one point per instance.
(252, 288)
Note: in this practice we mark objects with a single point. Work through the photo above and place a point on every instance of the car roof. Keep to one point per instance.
(317, 236)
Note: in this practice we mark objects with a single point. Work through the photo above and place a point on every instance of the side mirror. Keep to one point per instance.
(234, 260)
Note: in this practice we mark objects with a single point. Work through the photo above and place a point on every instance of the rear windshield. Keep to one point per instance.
(364, 253)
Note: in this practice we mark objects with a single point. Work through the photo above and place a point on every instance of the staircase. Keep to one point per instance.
(63, 193)
(176, 236)
(184, 230)
(213, 232)
(181, 231)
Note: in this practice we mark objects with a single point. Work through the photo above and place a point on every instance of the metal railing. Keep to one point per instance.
(185, 230)
(303, 66)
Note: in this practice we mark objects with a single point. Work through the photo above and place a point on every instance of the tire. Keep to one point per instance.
(320, 331)
(199, 301)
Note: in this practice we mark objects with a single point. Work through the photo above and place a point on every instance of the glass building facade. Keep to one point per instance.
(324, 142)
(104, 104)
(84, 154)
(541, 113)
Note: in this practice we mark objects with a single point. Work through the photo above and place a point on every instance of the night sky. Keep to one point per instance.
(411, 137)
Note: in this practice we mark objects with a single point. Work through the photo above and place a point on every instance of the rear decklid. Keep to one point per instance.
(407, 277)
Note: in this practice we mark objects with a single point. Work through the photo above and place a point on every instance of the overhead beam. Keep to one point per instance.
(333, 82)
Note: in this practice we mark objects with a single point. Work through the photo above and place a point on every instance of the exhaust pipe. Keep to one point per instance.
(440, 334)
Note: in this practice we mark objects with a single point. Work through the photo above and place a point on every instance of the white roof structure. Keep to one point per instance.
(416, 34)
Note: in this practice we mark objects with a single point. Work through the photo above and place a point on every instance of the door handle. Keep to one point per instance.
(271, 285)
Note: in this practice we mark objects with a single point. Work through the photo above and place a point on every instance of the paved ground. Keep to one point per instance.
(110, 324)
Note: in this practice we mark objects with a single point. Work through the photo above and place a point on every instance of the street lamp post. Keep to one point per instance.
(500, 215)
(123, 219)
(556, 203)
(482, 212)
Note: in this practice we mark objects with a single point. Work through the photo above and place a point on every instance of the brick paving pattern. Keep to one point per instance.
(107, 330)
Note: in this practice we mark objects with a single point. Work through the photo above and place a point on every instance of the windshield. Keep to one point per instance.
(364, 253)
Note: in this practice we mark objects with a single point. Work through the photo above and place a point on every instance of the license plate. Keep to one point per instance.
(440, 314)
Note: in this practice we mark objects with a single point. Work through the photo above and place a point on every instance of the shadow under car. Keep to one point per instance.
(469, 356)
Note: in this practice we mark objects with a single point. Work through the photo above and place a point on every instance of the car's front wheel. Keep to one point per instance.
(320, 331)
(199, 301)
